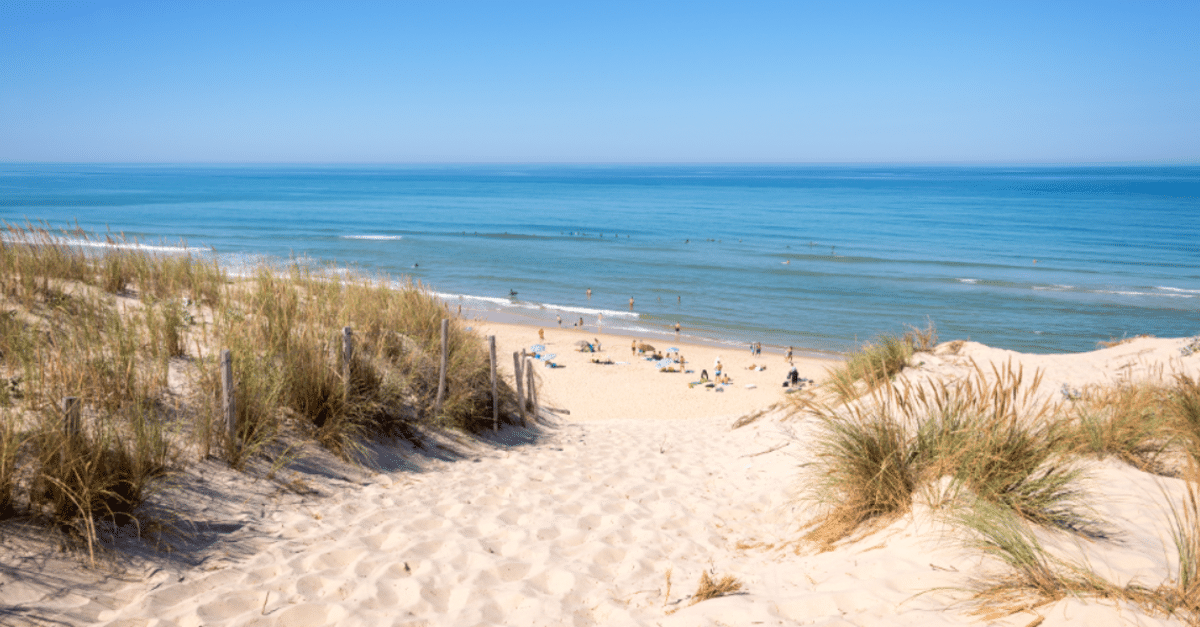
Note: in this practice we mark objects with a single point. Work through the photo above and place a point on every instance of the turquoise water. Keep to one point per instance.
(819, 257)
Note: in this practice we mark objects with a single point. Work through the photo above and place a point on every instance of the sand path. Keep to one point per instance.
(577, 529)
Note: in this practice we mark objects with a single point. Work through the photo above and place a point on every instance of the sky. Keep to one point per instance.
(414, 81)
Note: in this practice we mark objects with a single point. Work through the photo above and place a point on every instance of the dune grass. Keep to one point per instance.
(986, 433)
(99, 319)
(1031, 576)
(875, 363)
(870, 367)
(710, 588)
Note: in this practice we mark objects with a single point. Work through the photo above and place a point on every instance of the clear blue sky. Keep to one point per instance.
(599, 81)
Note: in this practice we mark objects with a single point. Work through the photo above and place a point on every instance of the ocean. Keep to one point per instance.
(1041, 259)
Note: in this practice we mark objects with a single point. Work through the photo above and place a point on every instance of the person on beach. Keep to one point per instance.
(676, 329)
(580, 322)
(633, 347)
(597, 342)
(589, 293)
(788, 355)
(758, 348)
(542, 334)
(752, 348)
(599, 320)
(559, 321)
(630, 303)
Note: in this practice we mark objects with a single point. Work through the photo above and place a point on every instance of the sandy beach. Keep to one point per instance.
(633, 387)
(611, 514)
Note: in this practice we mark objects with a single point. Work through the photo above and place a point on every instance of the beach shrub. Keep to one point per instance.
(1183, 409)
(104, 471)
(986, 433)
(1032, 576)
(922, 340)
(870, 367)
(1127, 422)
(867, 471)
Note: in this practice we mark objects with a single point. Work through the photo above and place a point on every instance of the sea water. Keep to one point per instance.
(1031, 258)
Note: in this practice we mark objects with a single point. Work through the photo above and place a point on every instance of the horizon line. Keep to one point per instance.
(963, 162)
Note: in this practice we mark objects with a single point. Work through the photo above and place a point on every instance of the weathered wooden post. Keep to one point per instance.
(495, 395)
(442, 376)
(347, 358)
(520, 385)
(72, 426)
(228, 406)
(531, 387)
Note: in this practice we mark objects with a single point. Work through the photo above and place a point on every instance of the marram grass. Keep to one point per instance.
(106, 323)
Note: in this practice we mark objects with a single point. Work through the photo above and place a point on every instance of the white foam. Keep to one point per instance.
(970, 281)
(509, 303)
(111, 245)
(374, 237)
(1155, 294)
(1176, 290)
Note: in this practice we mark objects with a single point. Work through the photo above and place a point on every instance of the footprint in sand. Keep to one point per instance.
(398, 592)
(555, 581)
(512, 571)
(314, 587)
(229, 605)
(337, 560)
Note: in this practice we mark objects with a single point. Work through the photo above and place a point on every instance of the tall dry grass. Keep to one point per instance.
(11, 441)
(871, 367)
(987, 434)
(283, 329)
(96, 318)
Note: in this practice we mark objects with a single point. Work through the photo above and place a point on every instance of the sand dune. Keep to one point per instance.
(579, 519)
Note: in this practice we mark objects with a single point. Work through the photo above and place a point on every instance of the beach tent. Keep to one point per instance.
(645, 347)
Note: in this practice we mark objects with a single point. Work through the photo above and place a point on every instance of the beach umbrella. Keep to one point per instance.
(645, 347)
(538, 348)
(547, 357)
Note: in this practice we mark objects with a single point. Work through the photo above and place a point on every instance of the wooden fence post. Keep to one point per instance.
(347, 359)
(442, 376)
(228, 406)
(531, 386)
(495, 396)
(520, 386)
(72, 426)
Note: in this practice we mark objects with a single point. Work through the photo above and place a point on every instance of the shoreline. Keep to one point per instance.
(663, 335)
